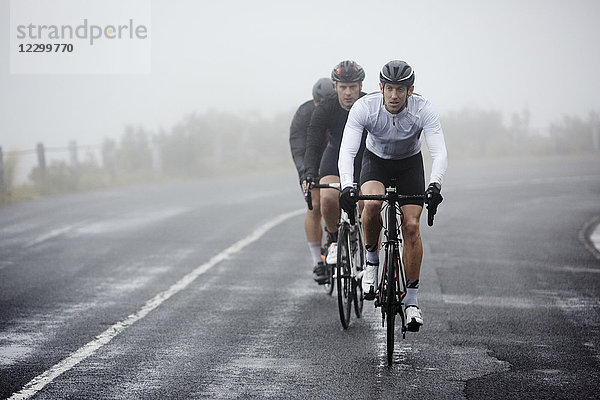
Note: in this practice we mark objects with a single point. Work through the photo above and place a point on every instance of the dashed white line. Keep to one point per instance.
(38, 383)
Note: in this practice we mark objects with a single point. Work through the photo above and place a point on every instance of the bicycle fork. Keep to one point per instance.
(399, 292)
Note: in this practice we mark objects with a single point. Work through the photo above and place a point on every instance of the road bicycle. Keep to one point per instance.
(392, 283)
(350, 259)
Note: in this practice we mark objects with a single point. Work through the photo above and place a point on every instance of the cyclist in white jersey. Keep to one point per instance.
(396, 119)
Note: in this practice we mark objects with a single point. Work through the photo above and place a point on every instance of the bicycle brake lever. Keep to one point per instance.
(431, 214)
(308, 199)
(308, 196)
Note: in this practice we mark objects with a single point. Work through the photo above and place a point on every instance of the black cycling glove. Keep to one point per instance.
(433, 197)
(348, 200)
(308, 178)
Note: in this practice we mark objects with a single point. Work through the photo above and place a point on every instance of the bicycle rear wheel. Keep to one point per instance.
(344, 275)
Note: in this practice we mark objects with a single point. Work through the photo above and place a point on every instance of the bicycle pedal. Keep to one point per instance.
(413, 327)
(370, 296)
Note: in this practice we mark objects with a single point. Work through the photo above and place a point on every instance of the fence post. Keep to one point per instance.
(73, 153)
(2, 184)
(41, 155)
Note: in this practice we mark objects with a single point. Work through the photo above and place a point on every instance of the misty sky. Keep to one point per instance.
(262, 57)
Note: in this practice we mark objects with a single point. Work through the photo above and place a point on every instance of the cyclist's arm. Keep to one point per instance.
(316, 135)
(351, 140)
(298, 135)
(434, 137)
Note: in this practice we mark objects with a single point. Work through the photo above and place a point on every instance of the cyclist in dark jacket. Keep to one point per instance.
(322, 90)
(321, 165)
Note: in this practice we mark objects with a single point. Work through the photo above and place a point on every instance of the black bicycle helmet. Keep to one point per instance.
(397, 72)
(348, 71)
(322, 89)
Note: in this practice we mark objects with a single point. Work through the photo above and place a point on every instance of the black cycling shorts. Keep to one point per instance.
(329, 163)
(409, 174)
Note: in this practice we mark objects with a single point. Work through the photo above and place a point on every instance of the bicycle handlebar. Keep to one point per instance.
(386, 197)
(309, 186)
(382, 197)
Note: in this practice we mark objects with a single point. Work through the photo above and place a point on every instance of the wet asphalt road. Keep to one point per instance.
(509, 291)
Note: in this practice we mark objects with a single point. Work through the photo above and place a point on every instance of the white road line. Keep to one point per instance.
(589, 235)
(595, 237)
(50, 235)
(38, 383)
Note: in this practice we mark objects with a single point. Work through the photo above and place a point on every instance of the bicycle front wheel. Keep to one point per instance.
(344, 275)
(329, 284)
(391, 303)
(359, 258)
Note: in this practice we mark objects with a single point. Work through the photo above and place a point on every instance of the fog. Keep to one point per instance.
(260, 58)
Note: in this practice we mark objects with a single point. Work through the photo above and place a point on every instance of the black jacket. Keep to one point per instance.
(298, 134)
(328, 117)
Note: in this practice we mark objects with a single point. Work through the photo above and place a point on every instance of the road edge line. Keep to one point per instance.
(40, 381)
(585, 236)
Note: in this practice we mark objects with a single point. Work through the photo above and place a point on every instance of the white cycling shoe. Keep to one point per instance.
(369, 281)
(332, 254)
(414, 318)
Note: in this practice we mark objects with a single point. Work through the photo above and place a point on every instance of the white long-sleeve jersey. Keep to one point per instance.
(393, 136)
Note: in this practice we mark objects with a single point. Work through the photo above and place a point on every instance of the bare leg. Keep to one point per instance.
(312, 221)
(412, 254)
(330, 204)
(371, 217)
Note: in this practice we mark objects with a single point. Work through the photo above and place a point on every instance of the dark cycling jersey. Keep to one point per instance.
(298, 134)
(328, 117)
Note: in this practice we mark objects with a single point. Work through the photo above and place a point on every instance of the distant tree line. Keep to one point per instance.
(216, 143)
(473, 133)
(219, 143)
(206, 144)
